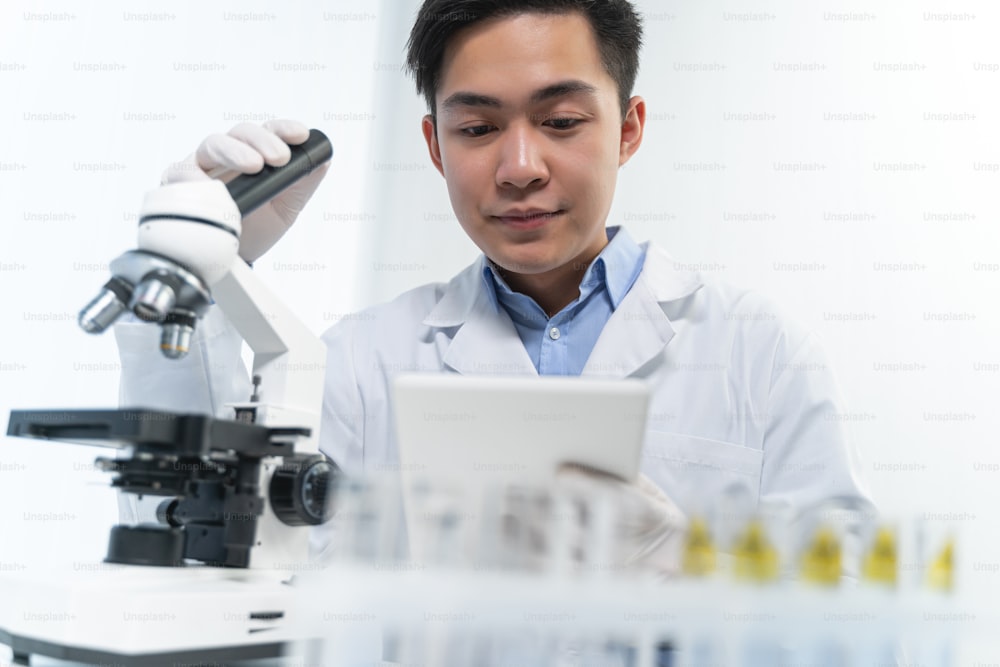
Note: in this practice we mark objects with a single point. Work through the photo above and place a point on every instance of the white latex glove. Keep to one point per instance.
(245, 150)
(649, 527)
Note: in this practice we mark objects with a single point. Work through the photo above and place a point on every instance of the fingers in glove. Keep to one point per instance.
(225, 152)
(292, 132)
(244, 150)
(572, 470)
(269, 145)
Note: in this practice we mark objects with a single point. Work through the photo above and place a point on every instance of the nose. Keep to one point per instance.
(521, 162)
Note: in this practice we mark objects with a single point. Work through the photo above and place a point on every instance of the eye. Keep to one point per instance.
(476, 130)
(562, 123)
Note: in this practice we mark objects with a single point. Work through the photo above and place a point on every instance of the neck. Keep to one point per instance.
(553, 290)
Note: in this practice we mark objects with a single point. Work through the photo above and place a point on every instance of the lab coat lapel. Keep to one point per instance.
(486, 342)
(639, 329)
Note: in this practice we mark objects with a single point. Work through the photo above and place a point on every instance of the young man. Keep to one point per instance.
(531, 114)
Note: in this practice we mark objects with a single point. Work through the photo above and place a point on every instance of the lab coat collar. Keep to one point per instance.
(668, 279)
(488, 343)
(460, 296)
(636, 332)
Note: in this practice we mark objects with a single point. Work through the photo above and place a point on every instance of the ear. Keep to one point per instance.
(430, 136)
(632, 126)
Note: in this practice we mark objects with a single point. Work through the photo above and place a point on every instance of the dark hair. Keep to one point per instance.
(616, 24)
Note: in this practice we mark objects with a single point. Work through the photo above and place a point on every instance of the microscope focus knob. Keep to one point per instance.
(300, 490)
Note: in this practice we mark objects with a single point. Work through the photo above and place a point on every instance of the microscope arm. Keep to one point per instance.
(288, 358)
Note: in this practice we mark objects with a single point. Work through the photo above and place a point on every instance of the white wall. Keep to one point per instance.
(842, 158)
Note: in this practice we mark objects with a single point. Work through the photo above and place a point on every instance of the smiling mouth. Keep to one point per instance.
(528, 221)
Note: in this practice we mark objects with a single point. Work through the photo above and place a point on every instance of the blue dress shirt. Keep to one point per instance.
(561, 344)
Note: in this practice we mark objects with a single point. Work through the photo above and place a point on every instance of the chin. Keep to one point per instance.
(528, 264)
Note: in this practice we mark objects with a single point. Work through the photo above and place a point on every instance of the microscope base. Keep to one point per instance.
(131, 616)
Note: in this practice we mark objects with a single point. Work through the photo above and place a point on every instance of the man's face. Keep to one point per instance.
(530, 138)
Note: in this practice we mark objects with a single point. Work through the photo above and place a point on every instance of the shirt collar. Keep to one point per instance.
(490, 279)
(616, 267)
(664, 278)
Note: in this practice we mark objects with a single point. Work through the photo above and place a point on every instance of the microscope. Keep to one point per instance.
(211, 580)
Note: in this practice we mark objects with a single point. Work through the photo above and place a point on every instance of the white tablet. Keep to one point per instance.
(466, 435)
(518, 427)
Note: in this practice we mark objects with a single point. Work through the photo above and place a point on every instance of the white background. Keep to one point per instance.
(842, 157)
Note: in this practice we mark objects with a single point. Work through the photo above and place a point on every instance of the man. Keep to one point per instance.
(531, 114)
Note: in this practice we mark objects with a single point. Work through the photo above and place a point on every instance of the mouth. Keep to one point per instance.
(527, 220)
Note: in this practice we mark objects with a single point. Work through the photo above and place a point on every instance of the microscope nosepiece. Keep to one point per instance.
(100, 313)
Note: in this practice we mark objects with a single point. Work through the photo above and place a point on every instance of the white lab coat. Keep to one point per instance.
(743, 399)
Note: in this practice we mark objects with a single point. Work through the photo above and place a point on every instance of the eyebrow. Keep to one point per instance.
(560, 89)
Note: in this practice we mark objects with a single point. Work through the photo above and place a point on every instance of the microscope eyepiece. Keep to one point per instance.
(250, 191)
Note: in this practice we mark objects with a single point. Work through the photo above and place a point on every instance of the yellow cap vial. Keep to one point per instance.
(940, 574)
(699, 552)
(881, 563)
(821, 562)
(754, 557)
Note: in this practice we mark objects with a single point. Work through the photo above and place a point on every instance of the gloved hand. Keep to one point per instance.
(649, 528)
(245, 150)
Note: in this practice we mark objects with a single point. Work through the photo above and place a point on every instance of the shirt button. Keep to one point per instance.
(554, 333)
